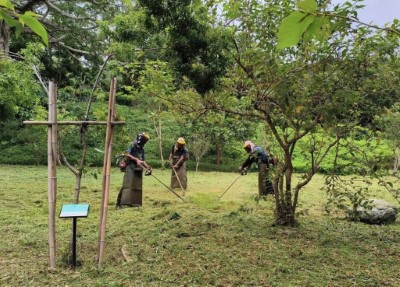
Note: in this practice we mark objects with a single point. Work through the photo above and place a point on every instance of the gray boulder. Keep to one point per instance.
(382, 212)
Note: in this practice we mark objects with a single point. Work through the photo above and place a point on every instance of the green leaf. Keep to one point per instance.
(307, 5)
(18, 29)
(324, 32)
(7, 18)
(30, 13)
(314, 29)
(292, 28)
(7, 4)
(35, 25)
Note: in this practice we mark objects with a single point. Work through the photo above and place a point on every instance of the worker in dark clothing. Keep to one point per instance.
(131, 191)
(259, 156)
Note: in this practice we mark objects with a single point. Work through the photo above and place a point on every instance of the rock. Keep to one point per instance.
(382, 212)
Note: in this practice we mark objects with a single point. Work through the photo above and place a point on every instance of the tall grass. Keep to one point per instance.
(204, 241)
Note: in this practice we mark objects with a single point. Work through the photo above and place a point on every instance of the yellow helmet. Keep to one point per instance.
(181, 140)
(146, 135)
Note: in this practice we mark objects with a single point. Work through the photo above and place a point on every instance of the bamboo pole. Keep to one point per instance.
(105, 157)
(106, 171)
(77, 123)
(52, 172)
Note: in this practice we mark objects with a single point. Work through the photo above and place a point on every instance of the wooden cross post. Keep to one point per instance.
(52, 148)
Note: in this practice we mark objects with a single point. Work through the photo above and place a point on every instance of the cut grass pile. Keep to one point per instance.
(204, 241)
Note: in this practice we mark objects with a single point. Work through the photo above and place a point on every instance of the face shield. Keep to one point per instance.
(142, 138)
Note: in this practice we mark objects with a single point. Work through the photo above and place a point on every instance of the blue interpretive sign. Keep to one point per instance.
(74, 210)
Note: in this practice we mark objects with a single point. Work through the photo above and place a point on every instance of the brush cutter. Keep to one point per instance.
(243, 172)
(150, 172)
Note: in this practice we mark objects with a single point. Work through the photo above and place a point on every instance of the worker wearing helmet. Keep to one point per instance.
(131, 191)
(260, 157)
(177, 160)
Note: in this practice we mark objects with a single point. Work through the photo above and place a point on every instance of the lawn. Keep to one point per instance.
(204, 241)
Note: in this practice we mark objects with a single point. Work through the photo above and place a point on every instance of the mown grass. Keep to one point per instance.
(204, 241)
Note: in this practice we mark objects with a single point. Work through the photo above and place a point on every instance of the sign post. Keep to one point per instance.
(74, 211)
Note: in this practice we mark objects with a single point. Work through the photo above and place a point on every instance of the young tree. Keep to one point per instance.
(156, 83)
(199, 146)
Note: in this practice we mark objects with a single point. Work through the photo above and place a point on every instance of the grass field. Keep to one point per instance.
(204, 241)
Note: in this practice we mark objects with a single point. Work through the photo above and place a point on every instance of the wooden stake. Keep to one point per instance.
(106, 171)
(52, 172)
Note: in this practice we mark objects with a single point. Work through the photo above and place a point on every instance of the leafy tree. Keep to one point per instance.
(133, 45)
(156, 83)
(73, 43)
(301, 91)
(20, 93)
(194, 47)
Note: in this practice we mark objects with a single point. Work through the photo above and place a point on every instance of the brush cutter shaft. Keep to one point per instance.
(230, 186)
(177, 177)
(166, 186)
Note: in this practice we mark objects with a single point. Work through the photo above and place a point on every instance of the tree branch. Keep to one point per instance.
(28, 5)
(354, 20)
(65, 14)
(71, 49)
(314, 170)
(95, 84)
(35, 70)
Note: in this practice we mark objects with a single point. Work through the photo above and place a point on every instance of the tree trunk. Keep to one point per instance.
(78, 180)
(4, 37)
(396, 161)
(157, 127)
(284, 214)
(219, 156)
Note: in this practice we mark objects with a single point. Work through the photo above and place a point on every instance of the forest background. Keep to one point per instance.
(306, 80)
